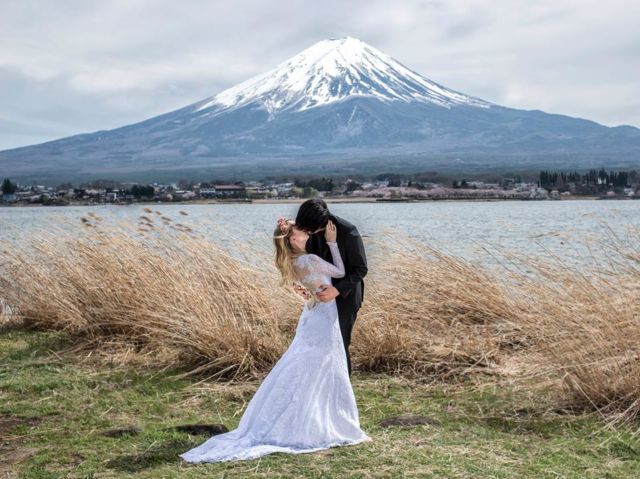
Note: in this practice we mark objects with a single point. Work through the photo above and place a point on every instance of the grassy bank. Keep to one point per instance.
(55, 409)
(528, 369)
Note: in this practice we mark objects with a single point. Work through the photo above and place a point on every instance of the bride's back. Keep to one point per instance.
(309, 272)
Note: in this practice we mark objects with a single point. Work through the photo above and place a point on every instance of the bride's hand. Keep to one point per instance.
(304, 292)
(330, 232)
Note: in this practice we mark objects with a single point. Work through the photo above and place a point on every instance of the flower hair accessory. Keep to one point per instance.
(282, 222)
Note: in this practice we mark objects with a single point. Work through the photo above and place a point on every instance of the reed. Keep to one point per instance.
(159, 291)
(587, 326)
(429, 313)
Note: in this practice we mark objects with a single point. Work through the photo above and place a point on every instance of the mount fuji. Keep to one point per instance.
(339, 106)
(332, 71)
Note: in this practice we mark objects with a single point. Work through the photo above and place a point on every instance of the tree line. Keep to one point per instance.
(549, 179)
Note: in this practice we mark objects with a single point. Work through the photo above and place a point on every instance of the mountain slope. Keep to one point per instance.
(338, 106)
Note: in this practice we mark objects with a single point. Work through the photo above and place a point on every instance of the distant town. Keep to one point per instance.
(551, 185)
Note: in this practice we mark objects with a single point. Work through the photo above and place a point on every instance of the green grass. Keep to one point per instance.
(490, 431)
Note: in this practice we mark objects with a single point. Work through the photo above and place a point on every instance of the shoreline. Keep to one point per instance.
(300, 200)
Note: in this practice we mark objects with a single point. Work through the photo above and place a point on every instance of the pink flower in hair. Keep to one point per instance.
(282, 222)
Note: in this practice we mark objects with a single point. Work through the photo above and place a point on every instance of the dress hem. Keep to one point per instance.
(276, 449)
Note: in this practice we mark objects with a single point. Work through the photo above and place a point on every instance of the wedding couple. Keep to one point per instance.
(306, 402)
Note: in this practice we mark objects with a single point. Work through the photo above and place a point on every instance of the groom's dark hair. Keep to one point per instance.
(312, 214)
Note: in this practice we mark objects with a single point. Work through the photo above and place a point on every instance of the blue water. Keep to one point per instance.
(466, 229)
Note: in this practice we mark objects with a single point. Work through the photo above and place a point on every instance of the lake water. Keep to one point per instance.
(460, 228)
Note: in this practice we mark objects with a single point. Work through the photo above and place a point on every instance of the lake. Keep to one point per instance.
(458, 227)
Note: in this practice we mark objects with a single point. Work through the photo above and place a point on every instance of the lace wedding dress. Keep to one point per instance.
(306, 402)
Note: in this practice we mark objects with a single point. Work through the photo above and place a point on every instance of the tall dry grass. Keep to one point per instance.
(169, 291)
(159, 286)
(429, 313)
(587, 325)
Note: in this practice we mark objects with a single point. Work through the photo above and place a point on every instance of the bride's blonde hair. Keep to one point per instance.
(285, 252)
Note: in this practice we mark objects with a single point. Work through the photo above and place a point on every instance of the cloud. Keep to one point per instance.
(73, 66)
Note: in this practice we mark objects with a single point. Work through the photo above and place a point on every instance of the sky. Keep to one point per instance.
(78, 66)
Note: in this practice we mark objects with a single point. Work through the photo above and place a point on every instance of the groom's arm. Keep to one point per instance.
(357, 261)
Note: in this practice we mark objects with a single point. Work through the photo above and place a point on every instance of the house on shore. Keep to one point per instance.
(224, 191)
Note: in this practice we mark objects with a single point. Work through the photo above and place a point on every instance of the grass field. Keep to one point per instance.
(54, 407)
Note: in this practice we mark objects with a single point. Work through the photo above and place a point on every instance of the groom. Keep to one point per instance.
(348, 291)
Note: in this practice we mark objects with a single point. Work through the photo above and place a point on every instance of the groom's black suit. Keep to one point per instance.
(351, 286)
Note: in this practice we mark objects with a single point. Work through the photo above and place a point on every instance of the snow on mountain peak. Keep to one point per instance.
(330, 71)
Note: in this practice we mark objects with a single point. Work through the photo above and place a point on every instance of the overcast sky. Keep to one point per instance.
(69, 67)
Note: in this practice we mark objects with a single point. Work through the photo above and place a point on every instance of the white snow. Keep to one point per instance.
(330, 71)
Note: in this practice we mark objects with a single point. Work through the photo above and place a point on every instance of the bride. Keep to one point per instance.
(306, 402)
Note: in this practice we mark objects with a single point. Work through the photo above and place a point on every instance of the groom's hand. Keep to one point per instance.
(327, 293)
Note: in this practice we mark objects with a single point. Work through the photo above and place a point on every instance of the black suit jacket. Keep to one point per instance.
(351, 248)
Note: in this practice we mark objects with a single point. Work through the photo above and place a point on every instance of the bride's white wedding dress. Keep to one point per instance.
(306, 402)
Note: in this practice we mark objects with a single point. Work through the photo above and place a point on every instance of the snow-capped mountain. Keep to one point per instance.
(339, 106)
(331, 71)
